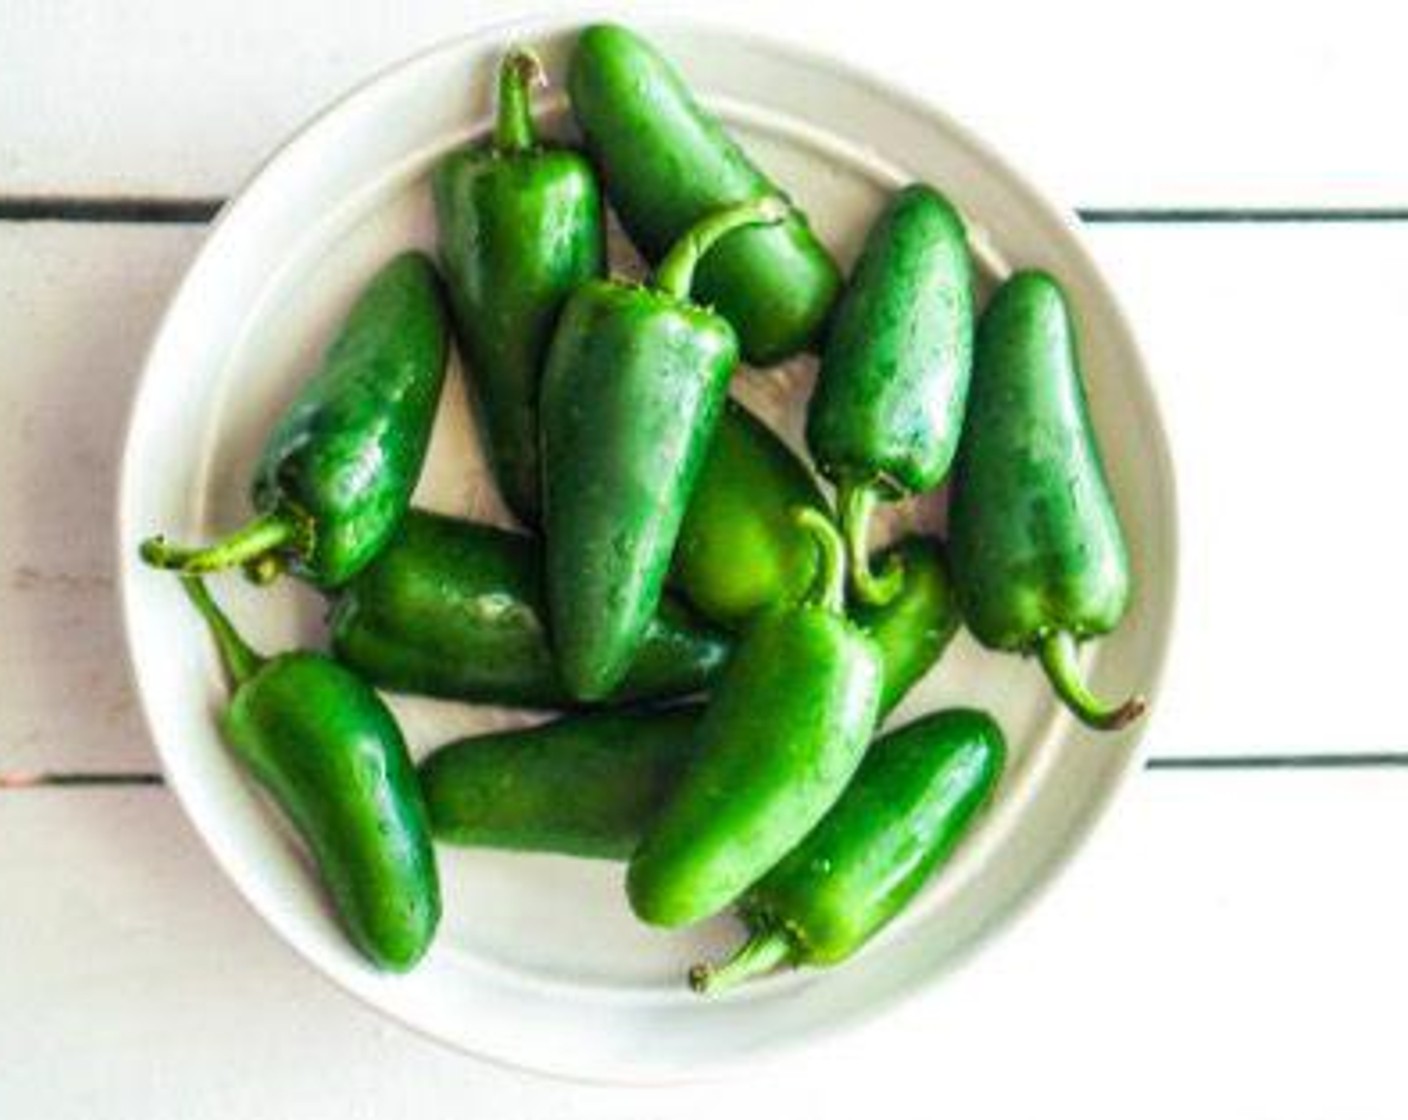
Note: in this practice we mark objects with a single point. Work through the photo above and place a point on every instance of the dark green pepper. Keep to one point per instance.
(740, 548)
(667, 163)
(784, 731)
(337, 471)
(908, 807)
(914, 628)
(521, 225)
(885, 417)
(455, 609)
(330, 754)
(505, 790)
(580, 786)
(634, 385)
(1038, 556)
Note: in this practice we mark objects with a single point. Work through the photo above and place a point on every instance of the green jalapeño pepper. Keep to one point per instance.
(884, 420)
(783, 734)
(505, 790)
(454, 609)
(667, 163)
(330, 754)
(914, 628)
(521, 226)
(634, 385)
(581, 786)
(740, 547)
(337, 471)
(1038, 556)
(910, 804)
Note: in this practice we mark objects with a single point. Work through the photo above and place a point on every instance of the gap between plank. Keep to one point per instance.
(155, 210)
(128, 210)
(52, 779)
(1362, 761)
(158, 210)
(1233, 215)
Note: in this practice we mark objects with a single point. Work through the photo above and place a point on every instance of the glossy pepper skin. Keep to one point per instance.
(521, 226)
(912, 629)
(667, 163)
(884, 420)
(337, 472)
(634, 385)
(505, 790)
(782, 735)
(911, 802)
(580, 786)
(455, 609)
(1038, 556)
(329, 752)
(740, 548)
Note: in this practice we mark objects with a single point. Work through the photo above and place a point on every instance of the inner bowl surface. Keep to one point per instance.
(539, 962)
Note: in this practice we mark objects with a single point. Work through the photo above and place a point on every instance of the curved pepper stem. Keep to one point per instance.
(1058, 658)
(675, 276)
(519, 72)
(857, 504)
(761, 953)
(240, 661)
(247, 545)
(829, 590)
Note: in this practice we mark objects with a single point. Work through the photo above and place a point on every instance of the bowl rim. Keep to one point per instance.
(871, 79)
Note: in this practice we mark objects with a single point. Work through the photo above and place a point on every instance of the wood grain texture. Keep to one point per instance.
(77, 307)
(1226, 950)
(1269, 345)
(1205, 103)
(1275, 353)
(1230, 948)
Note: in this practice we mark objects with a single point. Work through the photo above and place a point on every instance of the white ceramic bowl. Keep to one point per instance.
(539, 962)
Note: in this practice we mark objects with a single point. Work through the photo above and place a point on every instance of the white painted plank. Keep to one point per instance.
(1278, 355)
(77, 305)
(1274, 347)
(1203, 103)
(1232, 948)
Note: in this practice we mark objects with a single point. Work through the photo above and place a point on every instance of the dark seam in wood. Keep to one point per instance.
(156, 210)
(129, 210)
(1220, 215)
(1351, 761)
(1359, 760)
(52, 779)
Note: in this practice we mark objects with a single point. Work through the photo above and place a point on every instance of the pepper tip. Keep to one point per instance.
(1057, 652)
(527, 65)
(765, 950)
(153, 551)
(700, 976)
(1125, 714)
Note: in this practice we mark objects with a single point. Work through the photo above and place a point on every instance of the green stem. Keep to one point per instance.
(265, 534)
(857, 504)
(762, 952)
(239, 660)
(829, 590)
(675, 276)
(519, 71)
(1058, 658)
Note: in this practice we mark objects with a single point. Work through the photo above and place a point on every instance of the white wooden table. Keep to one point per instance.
(1233, 944)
